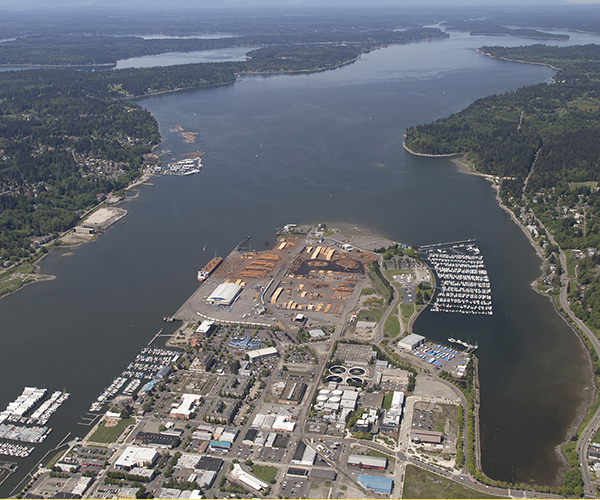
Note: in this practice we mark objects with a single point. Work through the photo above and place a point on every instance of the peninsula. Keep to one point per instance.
(296, 369)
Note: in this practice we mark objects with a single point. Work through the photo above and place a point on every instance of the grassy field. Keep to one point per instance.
(373, 315)
(420, 483)
(368, 291)
(9, 281)
(110, 434)
(392, 325)
(406, 310)
(267, 474)
(591, 184)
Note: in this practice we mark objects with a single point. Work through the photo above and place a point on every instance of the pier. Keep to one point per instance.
(436, 245)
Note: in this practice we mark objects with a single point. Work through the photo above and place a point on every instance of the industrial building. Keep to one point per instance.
(411, 342)
(224, 294)
(293, 392)
(304, 455)
(323, 474)
(421, 436)
(376, 483)
(367, 462)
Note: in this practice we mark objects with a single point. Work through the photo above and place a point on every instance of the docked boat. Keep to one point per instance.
(209, 268)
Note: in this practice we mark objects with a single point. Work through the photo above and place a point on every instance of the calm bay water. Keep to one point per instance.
(310, 148)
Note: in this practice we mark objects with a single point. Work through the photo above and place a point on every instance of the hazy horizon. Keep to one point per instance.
(62, 5)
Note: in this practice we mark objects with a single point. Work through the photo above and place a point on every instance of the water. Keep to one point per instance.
(329, 148)
(199, 56)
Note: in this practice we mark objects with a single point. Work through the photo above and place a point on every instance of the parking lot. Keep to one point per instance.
(442, 357)
(294, 487)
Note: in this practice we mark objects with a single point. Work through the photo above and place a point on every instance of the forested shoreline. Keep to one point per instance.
(541, 144)
(68, 137)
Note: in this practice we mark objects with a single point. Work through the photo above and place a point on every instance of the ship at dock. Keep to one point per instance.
(209, 268)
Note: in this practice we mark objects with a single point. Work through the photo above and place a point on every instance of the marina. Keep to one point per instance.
(33, 434)
(187, 166)
(148, 365)
(463, 282)
(15, 450)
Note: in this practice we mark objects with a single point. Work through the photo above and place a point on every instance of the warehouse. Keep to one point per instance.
(224, 294)
(411, 341)
(376, 483)
(366, 462)
(304, 455)
(422, 436)
(293, 392)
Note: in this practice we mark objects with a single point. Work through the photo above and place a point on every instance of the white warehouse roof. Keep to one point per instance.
(225, 293)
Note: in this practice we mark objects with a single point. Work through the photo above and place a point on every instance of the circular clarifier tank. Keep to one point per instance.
(335, 378)
(354, 380)
(357, 371)
(337, 369)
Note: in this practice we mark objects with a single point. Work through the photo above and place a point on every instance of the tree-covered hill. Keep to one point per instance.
(544, 141)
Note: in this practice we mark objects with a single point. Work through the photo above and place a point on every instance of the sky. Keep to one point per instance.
(183, 4)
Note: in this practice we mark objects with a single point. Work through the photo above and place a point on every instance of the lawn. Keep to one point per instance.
(387, 401)
(264, 472)
(110, 434)
(392, 325)
(420, 483)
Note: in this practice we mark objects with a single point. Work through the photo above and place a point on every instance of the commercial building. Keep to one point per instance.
(154, 439)
(260, 354)
(224, 294)
(317, 333)
(376, 483)
(247, 478)
(205, 327)
(220, 445)
(249, 437)
(203, 363)
(186, 406)
(411, 342)
(366, 462)
(135, 456)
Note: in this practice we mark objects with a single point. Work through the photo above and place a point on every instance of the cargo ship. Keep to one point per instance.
(208, 269)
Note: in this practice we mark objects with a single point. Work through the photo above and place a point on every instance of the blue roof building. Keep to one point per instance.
(220, 445)
(376, 483)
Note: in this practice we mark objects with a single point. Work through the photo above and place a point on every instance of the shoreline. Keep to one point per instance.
(463, 167)
(518, 60)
